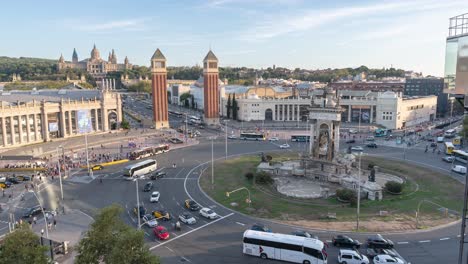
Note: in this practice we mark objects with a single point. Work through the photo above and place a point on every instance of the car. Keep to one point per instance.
(449, 159)
(142, 210)
(372, 252)
(357, 148)
(192, 205)
(261, 228)
(162, 214)
(345, 241)
(97, 167)
(3, 178)
(150, 220)
(430, 140)
(161, 232)
(232, 137)
(148, 187)
(380, 259)
(353, 131)
(377, 241)
(5, 184)
(284, 146)
(273, 139)
(303, 233)
(459, 169)
(22, 178)
(154, 197)
(13, 180)
(371, 145)
(187, 219)
(370, 138)
(347, 256)
(208, 213)
(440, 139)
(158, 175)
(433, 145)
(33, 211)
(350, 141)
(176, 141)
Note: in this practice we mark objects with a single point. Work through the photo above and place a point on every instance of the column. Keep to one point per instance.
(371, 120)
(28, 128)
(297, 113)
(12, 129)
(349, 113)
(105, 123)
(63, 129)
(70, 122)
(273, 110)
(337, 138)
(35, 128)
(45, 126)
(20, 129)
(282, 112)
(4, 132)
(312, 135)
(96, 123)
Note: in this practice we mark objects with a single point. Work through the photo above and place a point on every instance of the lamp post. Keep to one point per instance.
(226, 145)
(60, 171)
(138, 202)
(43, 213)
(358, 194)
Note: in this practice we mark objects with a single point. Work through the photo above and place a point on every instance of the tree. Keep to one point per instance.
(108, 240)
(23, 246)
(234, 108)
(184, 97)
(228, 107)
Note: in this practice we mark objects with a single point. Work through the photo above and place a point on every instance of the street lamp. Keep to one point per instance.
(359, 193)
(249, 201)
(226, 128)
(60, 171)
(43, 213)
(138, 202)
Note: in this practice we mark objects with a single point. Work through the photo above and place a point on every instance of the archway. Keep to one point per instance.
(112, 119)
(268, 114)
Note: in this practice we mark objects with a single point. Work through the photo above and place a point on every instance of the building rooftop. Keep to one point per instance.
(48, 95)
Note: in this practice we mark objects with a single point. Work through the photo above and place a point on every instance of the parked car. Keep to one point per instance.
(150, 220)
(232, 137)
(448, 159)
(273, 139)
(350, 141)
(459, 169)
(24, 178)
(351, 257)
(97, 167)
(345, 241)
(162, 214)
(157, 175)
(370, 138)
(261, 227)
(357, 148)
(33, 211)
(377, 241)
(372, 252)
(353, 131)
(161, 232)
(148, 187)
(154, 198)
(371, 145)
(208, 213)
(383, 259)
(13, 180)
(142, 210)
(192, 205)
(303, 233)
(187, 219)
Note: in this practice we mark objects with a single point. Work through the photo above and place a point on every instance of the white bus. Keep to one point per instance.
(252, 136)
(284, 247)
(460, 156)
(450, 133)
(140, 168)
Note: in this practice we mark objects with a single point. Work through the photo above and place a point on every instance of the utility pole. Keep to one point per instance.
(138, 202)
(60, 172)
(358, 194)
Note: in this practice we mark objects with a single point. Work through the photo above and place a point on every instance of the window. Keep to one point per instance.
(313, 252)
(346, 257)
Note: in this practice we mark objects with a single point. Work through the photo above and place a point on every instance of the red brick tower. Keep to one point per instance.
(211, 89)
(159, 85)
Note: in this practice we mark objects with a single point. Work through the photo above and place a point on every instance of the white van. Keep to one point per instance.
(440, 139)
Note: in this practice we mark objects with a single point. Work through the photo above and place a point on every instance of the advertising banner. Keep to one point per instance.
(85, 123)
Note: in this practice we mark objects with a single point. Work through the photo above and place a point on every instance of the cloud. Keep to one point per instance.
(223, 3)
(126, 25)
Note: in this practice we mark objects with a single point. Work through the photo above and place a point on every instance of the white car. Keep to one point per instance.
(350, 256)
(273, 139)
(357, 148)
(232, 137)
(150, 220)
(208, 213)
(380, 259)
(459, 169)
(2, 179)
(440, 139)
(284, 146)
(155, 197)
(353, 131)
(187, 219)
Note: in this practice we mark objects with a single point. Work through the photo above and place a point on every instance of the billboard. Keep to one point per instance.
(85, 123)
(53, 127)
(461, 78)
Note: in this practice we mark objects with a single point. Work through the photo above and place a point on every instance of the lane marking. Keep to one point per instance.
(179, 172)
(191, 231)
(402, 243)
(169, 248)
(424, 241)
(240, 224)
(445, 238)
(174, 234)
(186, 259)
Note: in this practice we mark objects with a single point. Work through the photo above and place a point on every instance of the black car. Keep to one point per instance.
(148, 187)
(303, 233)
(371, 145)
(13, 180)
(377, 241)
(142, 210)
(192, 205)
(345, 241)
(260, 227)
(26, 178)
(433, 145)
(30, 212)
(157, 175)
(350, 141)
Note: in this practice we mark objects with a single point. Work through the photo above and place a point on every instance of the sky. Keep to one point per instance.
(310, 34)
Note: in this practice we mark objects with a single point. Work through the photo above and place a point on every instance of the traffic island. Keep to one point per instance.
(434, 195)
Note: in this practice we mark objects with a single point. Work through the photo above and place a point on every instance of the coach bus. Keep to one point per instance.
(290, 248)
(148, 152)
(300, 138)
(252, 136)
(140, 168)
(460, 156)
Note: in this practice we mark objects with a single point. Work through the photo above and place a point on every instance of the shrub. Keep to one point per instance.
(124, 124)
(263, 178)
(394, 187)
(249, 176)
(346, 195)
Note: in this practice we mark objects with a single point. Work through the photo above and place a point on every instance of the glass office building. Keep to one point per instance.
(456, 57)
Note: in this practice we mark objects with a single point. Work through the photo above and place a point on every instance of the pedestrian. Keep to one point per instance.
(47, 216)
(55, 224)
(34, 220)
(49, 225)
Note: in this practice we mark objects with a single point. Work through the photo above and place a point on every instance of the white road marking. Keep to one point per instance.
(191, 231)
(424, 241)
(169, 248)
(179, 172)
(401, 243)
(186, 259)
(445, 238)
(174, 234)
(146, 233)
(178, 203)
(240, 224)
(212, 206)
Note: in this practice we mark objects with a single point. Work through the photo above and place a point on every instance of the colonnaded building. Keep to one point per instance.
(37, 116)
(95, 65)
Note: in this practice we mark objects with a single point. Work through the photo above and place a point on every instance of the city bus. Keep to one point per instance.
(140, 168)
(460, 156)
(450, 133)
(252, 136)
(148, 152)
(300, 138)
(449, 148)
(290, 248)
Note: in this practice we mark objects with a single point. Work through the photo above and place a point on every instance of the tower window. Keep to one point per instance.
(213, 65)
